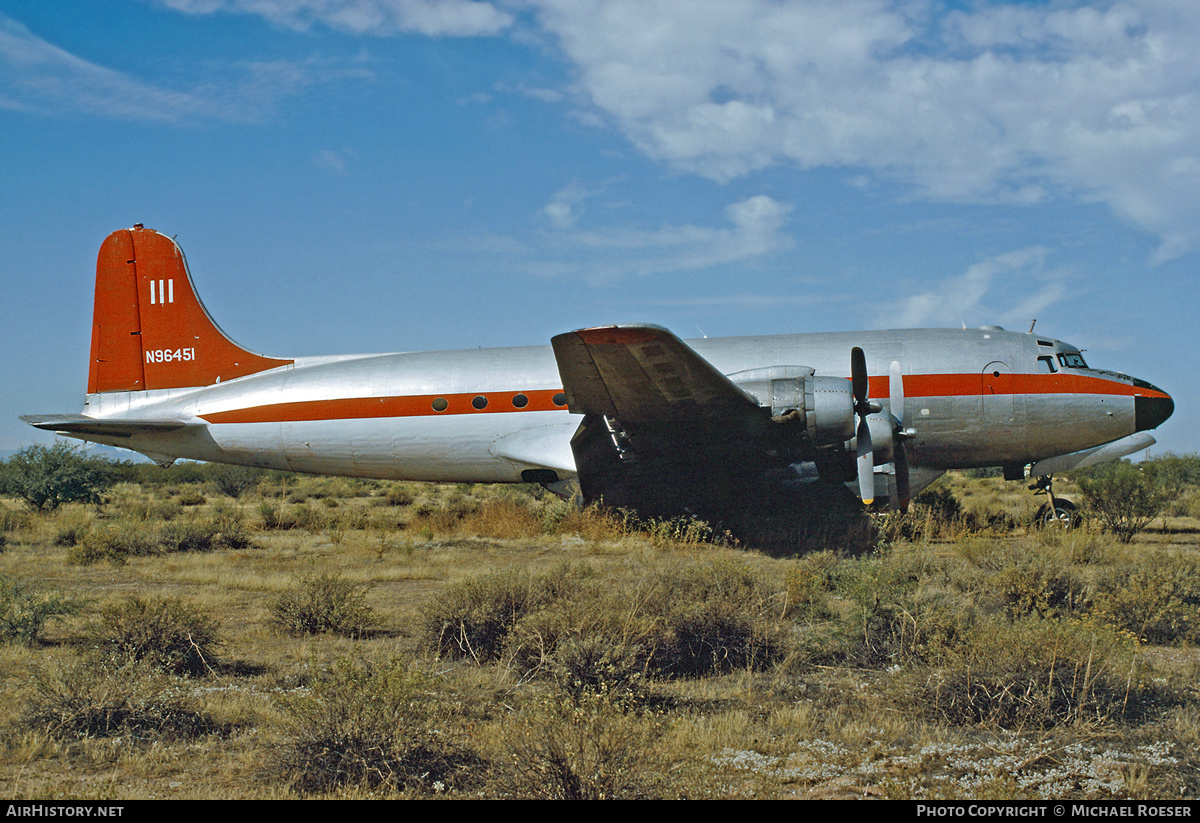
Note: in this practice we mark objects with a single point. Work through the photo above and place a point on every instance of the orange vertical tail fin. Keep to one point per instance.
(149, 329)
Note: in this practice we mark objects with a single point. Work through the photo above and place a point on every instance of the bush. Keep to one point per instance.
(131, 702)
(1039, 586)
(682, 622)
(24, 609)
(714, 617)
(367, 725)
(809, 582)
(588, 750)
(1173, 472)
(119, 540)
(907, 607)
(161, 632)
(234, 481)
(324, 604)
(45, 477)
(1158, 599)
(473, 618)
(587, 666)
(1035, 674)
(1122, 496)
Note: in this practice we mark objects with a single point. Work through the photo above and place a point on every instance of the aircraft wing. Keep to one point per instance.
(82, 424)
(662, 427)
(1089, 457)
(644, 374)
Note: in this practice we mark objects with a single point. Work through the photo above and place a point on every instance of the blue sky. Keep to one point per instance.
(392, 175)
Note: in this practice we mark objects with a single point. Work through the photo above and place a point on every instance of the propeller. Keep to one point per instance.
(865, 451)
(865, 454)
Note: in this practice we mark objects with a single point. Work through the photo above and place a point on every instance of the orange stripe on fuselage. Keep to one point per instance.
(968, 385)
(358, 408)
(915, 385)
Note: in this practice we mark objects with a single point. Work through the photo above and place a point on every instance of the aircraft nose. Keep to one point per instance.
(1152, 408)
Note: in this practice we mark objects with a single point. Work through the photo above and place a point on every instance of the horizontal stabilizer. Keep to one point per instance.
(82, 424)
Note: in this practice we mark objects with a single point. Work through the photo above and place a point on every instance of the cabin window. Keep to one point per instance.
(520, 401)
(1072, 360)
(1046, 365)
(440, 404)
(560, 399)
(479, 402)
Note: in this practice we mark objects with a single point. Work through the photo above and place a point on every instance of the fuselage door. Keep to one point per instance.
(997, 392)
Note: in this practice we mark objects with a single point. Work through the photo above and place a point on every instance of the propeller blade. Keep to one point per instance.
(903, 486)
(866, 463)
(858, 377)
(896, 391)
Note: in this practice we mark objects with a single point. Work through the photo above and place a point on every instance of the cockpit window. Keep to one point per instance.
(1046, 365)
(1072, 360)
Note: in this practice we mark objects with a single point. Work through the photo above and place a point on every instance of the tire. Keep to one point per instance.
(1064, 515)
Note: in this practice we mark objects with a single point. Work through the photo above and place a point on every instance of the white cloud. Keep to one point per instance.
(435, 18)
(1000, 103)
(1010, 288)
(335, 160)
(38, 76)
(756, 228)
(562, 212)
(41, 77)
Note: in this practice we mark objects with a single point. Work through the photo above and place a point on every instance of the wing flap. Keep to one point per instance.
(643, 374)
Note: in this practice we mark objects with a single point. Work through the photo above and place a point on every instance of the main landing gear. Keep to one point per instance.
(1058, 512)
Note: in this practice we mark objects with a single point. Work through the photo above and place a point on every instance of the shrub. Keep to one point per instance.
(684, 621)
(234, 481)
(1158, 599)
(367, 725)
(132, 702)
(473, 618)
(398, 494)
(586, 750)
(109, 542)
(1039, 586)
(45, 477)
(116, 541)
(1122, 496)
(714, 617)
(161, 632)
(597, 666)
(1174, 472)
(809, 582)
(1035, 674)
(324, 604)
(898, 614)
(24, 609)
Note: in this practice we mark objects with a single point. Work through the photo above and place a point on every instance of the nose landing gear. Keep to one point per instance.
(1058, 512)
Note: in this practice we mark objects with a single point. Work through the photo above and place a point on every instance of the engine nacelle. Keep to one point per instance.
(823, 405)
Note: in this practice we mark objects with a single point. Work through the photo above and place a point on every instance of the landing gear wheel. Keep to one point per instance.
(1064, 515)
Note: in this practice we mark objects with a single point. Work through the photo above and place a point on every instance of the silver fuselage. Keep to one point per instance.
(974, 398)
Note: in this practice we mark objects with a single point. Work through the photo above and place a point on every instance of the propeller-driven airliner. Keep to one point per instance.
(631, 413)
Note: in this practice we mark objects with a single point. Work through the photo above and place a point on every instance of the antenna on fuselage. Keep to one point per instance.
(1031, 325)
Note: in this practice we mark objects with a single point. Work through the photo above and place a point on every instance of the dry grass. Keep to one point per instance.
(888, 673)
